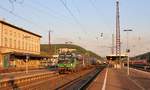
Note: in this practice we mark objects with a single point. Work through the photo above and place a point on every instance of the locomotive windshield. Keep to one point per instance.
(65, 58)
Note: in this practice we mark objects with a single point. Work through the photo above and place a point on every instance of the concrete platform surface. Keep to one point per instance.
(117, 79)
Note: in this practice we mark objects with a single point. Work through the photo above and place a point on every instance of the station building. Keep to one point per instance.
(17, 45)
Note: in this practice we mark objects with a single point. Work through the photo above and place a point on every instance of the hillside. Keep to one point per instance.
(45, 49)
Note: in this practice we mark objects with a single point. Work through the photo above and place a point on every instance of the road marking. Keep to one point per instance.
(105, 80)
(134, 81)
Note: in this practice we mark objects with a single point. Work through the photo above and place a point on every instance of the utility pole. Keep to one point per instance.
(50, 49)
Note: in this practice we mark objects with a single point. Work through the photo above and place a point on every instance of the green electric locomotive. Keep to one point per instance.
(67, 62)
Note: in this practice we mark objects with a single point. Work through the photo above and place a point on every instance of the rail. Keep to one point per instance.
(9, 82)
(141, 67)
(81, 82)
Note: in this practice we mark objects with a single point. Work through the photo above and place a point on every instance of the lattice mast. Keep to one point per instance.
(118, 46)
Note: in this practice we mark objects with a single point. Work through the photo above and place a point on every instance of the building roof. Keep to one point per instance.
(27, 54)
(6, 23)
(113, 57)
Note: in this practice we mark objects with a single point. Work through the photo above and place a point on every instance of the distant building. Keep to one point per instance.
(14, 39)
(66, 49)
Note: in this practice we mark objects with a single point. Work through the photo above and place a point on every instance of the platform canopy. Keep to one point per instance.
(24, 55)
(113, 57)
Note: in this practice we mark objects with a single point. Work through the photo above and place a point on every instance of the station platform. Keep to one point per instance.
(117, 79)
(22, 74)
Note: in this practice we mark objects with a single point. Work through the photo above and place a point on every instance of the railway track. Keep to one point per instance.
(14, 83)
(51, 81)
(143, 68)
(81, 82)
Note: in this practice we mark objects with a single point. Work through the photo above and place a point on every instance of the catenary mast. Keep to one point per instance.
(118, 44)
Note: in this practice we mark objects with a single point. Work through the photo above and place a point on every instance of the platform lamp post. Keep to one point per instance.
(27, 55)
(100, 36)
(127, 49)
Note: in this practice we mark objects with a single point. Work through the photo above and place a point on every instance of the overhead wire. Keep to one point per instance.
(20, 2)
(48, 13)
(26, 20)
(73, 16)
(64, 3)
(57, 14)
(79, 37)
(15, 1)
(93, 5)
(12, 4)
(49, 9)
(11, 12)
(97, 12)
(96, 9)
(20, 17)
(76, 8)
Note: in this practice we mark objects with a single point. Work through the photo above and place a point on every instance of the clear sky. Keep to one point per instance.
(84, 23)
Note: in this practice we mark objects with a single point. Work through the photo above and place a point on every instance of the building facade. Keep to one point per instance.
(15, 39)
